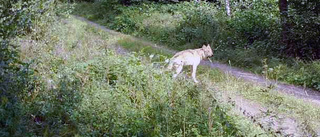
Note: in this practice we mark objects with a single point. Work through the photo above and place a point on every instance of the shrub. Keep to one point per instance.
(175, 25)
(304, 24)
(161, 27)
(257, 23)
(15, 82)
(198, 25)
(128, 21)
(18, 18)
(300, 73)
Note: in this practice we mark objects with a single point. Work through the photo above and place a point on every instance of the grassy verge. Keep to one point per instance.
(138, 46)
(186, 25)
(274, 101)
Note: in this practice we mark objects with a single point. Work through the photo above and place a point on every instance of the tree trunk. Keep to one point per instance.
(228, 7)
(283, 7)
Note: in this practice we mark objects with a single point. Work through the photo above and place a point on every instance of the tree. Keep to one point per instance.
(283, 8)
(300, 28)
(228, 7)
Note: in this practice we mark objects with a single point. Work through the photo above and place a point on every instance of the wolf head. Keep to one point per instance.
(207, 50)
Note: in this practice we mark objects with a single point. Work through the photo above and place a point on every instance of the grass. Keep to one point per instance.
(82, 78)
(138, 46)
(275, 101)
(85, 89)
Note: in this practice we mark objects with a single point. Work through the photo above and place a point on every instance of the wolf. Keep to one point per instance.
(189, 57)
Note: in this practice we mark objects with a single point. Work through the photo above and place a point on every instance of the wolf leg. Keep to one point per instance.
(170, 65)
(178, 70)
(194, 70)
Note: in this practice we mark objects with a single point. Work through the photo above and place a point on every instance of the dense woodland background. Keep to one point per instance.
(297, 22)
(45, 94)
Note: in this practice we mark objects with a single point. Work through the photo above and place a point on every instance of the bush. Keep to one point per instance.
(160, 27)
(198, 25)
(127, 22)
(18, 18)
(15, 82)
(257, 23)
(300, 73)
(175, 25)
(304, 24)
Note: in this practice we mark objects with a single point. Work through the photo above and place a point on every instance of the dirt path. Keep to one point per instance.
(279, 124)
(300, 92)
(271, 122)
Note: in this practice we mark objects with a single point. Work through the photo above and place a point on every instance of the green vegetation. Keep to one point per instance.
(18, 18)
(60, 77)
(146, 48)
(247, 39)
(173, 25)
(276, 103)
(73, 84)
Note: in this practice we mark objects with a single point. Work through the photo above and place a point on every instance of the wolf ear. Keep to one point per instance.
(208, 47)
(204, 46)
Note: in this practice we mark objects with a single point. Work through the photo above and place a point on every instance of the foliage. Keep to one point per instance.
(198, 25)
(107, 11)
(128, 21)
(175, 25)
(256, 23)
(304, 25)
(253, 26)
(15, 81)
(246, 39)
(300, 73)
(18, 18)
(249, 36)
